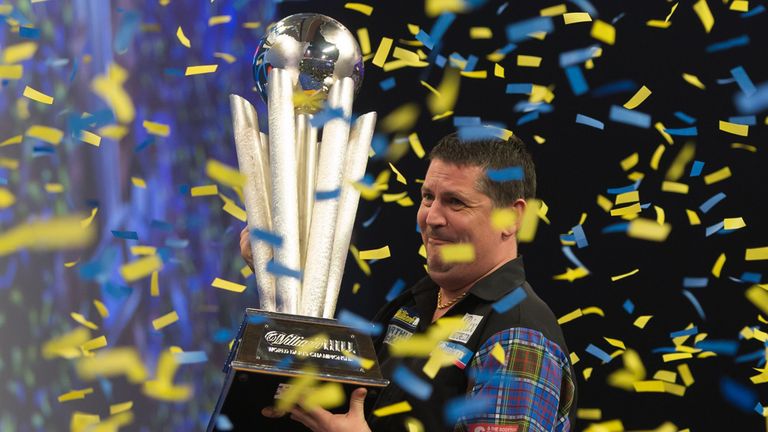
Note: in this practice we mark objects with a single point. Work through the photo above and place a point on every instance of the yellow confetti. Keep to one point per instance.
(90, 138)
(627, 197)
(530, 221)
(603, 32)
(328, 396)
(418, 149)
(120, 407)
(201, 69)
(62, 232)
(380, 253)
(647, 229)
(457, 253)
(622, 276)
(570, 317)
(162, 387)
(140, 268)
(705, 15)
(115, 132)
(139, 182)
(628, 210)
(746, 147)
(37, 96)
(685, 374)
(227, 285)
(82, 422)
(734, 128)
(503, 218)
(66, 345)
(360, 262)
(360, 7)
(94, 344)
(498, 353)
(693, 217)
(630, 161)
(252, 24)
(182, 38)
(654, 164)
(233, 209)
(402, 118)
(660, 217)
(204, 190)
(719, 175)
(75, 394)
(12, 140)
(101, 308)
(693, 80)
(756, 254)
(400, 177)
(739, 6)
(528, 61)
(718, 267)
(165, 320)
(154, 284)
(572, 274)
(604, 203)
(479, 74)
(45, 133)
(480, 33)
(675, 187)
(219, 19)
(659, 387)
(229, 58)
(615, 343)
(638, 98)
(658, 23)
(246, 272)
(110, 88)
(7, 198)
(19, 52)
(11, 72)
(396, 408)
(587, 372)
(589, 413)
(224, 174)
(82, 320)
(382, 52)
(676, 356)
(158, 129)
(576, 17)
(642, 321)
(447, 93)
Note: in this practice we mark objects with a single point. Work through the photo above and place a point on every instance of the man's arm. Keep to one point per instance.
(531, 390)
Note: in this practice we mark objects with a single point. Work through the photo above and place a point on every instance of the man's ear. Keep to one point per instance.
(518, 207)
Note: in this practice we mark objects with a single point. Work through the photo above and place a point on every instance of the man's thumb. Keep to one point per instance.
(357, 402)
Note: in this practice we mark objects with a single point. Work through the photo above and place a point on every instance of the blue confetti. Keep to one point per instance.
(191, 357)
(531, 116)
(621, 86)
(755, 11)
(600, 354)
(477, 133)
(129, 25)
(510, 300)
(523, 88)
(751, 277)
(587, 7)
(579, 56)
(695, 282)
(267, 237)
(223, 423)
(280, 270)
(755, 103)
(440, 60)
(577, 81)
(520, 30)
(471, 63)
(387, 84)
(174, 71)
(256, 319)
(367, 223)
(630, 117)
(738, 395)
(395, 291)
(580, 237)
(696, 168)
(161, 225)
(685, 117)
(708, 204)
(589, 121)
(465, 407)
(525, 106)
(459, 121)
(505, 174)
(629, 306)
(756, 355)
(687, 332)
(616, 228)
(743, 80)
(411, 383)
(327, 195)
(568, 252)
(724, 347)
(714, 228)
(689, 131)
(424, 38)
(621, 190)
(441, 26)
(144, 144)
(501, 8)
(327, 114)
(29, 32)
(359, 323)
(127, 235)
(743, 120)
(177, 243)
(728, 44)
(696, 305)
(223, 335)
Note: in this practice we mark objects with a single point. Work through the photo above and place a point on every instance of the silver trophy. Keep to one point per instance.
(298, 188)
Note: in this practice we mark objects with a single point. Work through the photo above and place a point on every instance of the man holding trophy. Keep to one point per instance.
(508, 359)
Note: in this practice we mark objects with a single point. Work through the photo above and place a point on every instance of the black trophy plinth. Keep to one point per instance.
(264, 358)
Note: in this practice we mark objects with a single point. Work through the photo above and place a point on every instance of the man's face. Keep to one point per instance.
(453, 211)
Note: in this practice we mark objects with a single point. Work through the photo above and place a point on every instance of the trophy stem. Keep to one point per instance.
(285, 209)
(354, 170)
(306, 172)
(252, 159)
(324, 212)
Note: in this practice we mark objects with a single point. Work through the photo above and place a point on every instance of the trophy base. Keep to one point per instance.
(266, 356)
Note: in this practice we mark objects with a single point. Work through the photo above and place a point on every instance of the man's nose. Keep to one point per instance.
(436, 215)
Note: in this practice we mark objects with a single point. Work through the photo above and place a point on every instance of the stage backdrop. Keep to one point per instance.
(646, 120)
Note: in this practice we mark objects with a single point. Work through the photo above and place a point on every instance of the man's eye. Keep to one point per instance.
(427, 197)
(456, 202)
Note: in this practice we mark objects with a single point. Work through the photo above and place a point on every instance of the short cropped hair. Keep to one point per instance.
(491, 153)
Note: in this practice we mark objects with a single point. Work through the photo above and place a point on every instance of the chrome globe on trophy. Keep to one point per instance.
(300, 191)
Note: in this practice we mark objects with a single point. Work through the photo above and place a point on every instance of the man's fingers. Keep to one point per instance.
(305, 418)
(272, 412)
(357, 402)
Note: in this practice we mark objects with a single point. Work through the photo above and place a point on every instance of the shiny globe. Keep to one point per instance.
(316, 50)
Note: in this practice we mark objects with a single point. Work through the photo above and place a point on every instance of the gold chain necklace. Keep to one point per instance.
(450, 303)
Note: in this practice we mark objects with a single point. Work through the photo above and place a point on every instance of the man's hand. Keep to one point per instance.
(320, 420)
(245, 246)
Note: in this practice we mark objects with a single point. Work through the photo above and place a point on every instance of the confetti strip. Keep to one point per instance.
(396, 408)
(705, 15)
(201, 69)
(227, 285)
(622, 276)
(165, 320)
(37, 96)
(182, 38)
(375, 254)
(141, 268)
(457, 253)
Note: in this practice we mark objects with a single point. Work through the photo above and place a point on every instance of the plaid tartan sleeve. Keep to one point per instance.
(531, 391)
